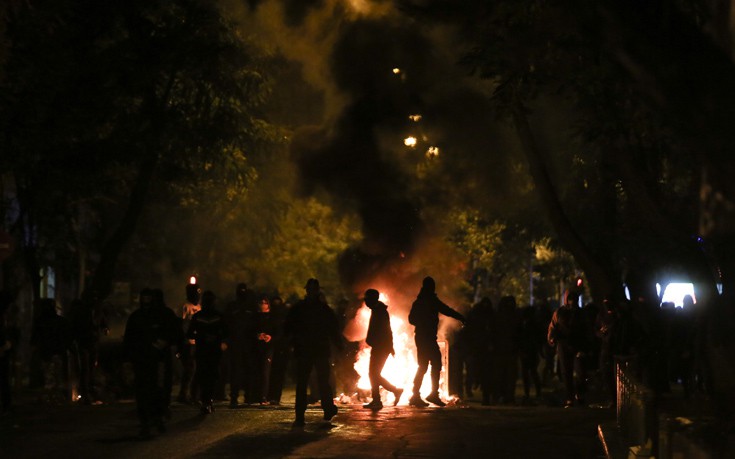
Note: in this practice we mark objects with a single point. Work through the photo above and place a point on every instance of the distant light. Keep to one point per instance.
(415, 118)
(193, 280)
(396, 71)
(410, 141)
(432, 152)
(675, 293)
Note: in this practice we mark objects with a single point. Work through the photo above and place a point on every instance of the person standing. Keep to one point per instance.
(281, 352)
(566, 333)
(265, 332)
(312, 326)
(424, 316)
(150, 332)
(189, 388)
(88, 320)
(6, 346)
(208, 330)
(380, 339)
(240, 317)
(51, 338)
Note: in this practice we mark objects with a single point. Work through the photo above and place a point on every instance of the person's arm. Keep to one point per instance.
(447, 311)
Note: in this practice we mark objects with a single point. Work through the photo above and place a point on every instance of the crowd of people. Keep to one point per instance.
(576, 345)
(248, 345)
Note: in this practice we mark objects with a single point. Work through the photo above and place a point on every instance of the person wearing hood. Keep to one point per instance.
(150, 332)
(312, 327)
(209, 332)
(424, 316)
(380, 339)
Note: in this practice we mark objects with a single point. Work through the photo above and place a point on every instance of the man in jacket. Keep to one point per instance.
(312, 326)
(380, 339)
(424, 316)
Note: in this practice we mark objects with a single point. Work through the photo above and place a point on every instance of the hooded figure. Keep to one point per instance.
(424, 316)
(380, 339)
(150, 332)
(208, 330)
(312, 326)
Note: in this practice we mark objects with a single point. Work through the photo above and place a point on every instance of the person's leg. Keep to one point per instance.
(422, 359)
(303, 369)
(323, 369)
(435, 357)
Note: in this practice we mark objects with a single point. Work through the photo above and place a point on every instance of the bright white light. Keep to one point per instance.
(396, 71)
(675, 293)
(193, 280)
(410, 141)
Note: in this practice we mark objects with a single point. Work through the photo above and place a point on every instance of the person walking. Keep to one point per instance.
(380, 339)
(150, 332)
(312, 326)
(424, 316)
(208, 330)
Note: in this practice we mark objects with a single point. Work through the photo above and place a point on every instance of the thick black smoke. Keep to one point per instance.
(350, 160)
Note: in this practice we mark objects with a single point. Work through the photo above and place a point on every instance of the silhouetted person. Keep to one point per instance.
(265, 331)
(566, 333)
(159, 307)
(424, 316)
(208, 330)
(189, 388)
(380, 339)
(150, 332)
(608, 331)
(344, 361)
(529, 348)
(6, 345)
(479, 330)
(240, 317)
(548, 352)
(505, 354)
(87, 322)
(312, 326)
(281, 352)
(51, 338)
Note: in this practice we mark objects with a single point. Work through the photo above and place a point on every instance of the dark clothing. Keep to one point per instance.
(380, 335)
(208, 330)
(567, 333)
(240, 319)
(312, 326)
(150, 334)
(51, 336)
(478, 334)
(87, 321)
(263, 354)
(424, 316)
(5, 349)
(380, 339)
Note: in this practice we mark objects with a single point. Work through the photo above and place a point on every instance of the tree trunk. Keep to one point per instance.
(100, 286)
(602, 283)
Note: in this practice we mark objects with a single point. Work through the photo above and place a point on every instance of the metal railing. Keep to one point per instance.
(637, 416)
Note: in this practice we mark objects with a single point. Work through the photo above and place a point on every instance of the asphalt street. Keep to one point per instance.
(463, 430)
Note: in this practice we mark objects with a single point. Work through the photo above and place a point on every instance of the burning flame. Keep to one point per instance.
(410, 141)
(400, 368)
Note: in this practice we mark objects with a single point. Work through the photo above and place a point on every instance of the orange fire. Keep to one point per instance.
(400, 368)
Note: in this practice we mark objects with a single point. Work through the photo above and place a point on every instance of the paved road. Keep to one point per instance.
(468, 430)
